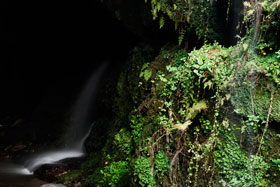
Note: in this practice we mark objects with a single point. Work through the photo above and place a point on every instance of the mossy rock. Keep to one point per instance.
(260, 103)
(70, 176)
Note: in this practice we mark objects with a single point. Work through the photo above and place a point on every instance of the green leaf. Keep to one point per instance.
(147, 74)
(145, 66)
(161, 22)
(208, 84)
(181, 36)
(176, 25)
(245, 46)
(183, 126)
(197, 107)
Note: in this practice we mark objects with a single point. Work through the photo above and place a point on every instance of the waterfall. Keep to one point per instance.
(79, 128)
(245, 78)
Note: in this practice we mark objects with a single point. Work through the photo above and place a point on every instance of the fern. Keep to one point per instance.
(196, 108)
(193, 111)
(161, 22)
(181, 36)
(145, 72)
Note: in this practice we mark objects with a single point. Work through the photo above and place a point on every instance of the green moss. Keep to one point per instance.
(262, 103)
(123, 141)
(236, 168)
(115, 174)
(259, 103)
(70, 177)
(189, 119)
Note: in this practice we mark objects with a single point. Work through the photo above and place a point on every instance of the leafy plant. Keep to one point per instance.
(276, 162)
(142, 171)
(123, 141)
(236, 168)
(146, 73)
(186, 15)
(115, 173)
(194, 117)
(136, 123)
(161, 164)
(263, 22)
(271, 66)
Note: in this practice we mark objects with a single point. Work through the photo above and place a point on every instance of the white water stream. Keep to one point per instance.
(78, 131)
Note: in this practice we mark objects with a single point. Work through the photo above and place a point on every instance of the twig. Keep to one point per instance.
(151, 147)
(267, 120)
(175, 157)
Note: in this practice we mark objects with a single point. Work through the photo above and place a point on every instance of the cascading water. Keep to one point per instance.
(78, 131)
(245, 78)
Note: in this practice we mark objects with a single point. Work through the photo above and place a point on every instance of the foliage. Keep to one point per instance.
(270, 65)
(262, 19)
(182, 87)
(127, 86)
(205, 124)
(242, 100)
(186, 15)
(115, 173)
(161, 164)
(123, 141)
(145, 72)
(179, 86)
(236, 168)
(194, 119)
(189, 70)
(276, 162)
(137, 123)
(142, 170)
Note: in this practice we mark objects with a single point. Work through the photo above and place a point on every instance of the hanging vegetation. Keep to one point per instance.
(198, 118)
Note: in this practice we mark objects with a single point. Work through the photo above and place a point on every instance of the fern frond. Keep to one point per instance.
(196, 108)
(181, 36)
(161, 22)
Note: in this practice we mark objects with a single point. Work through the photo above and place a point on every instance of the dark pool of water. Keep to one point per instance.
(14, 175)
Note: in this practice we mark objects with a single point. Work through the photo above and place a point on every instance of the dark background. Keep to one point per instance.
(48, 51)
(53, 46)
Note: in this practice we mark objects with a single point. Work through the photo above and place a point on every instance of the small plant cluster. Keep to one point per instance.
(181, 129)
(262, 20)
(271, 66)
(236, 168)
(115, 173)
(276, 163)
(197, 118)
(186, 15)
(142, 171)
(161, 123)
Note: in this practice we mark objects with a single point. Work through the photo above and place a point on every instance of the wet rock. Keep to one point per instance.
(48, 172)
(53, 185)
(8, 147)
(3, 155)
(18, 147)
(2, 133)
(18, 123)
(78, 184)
